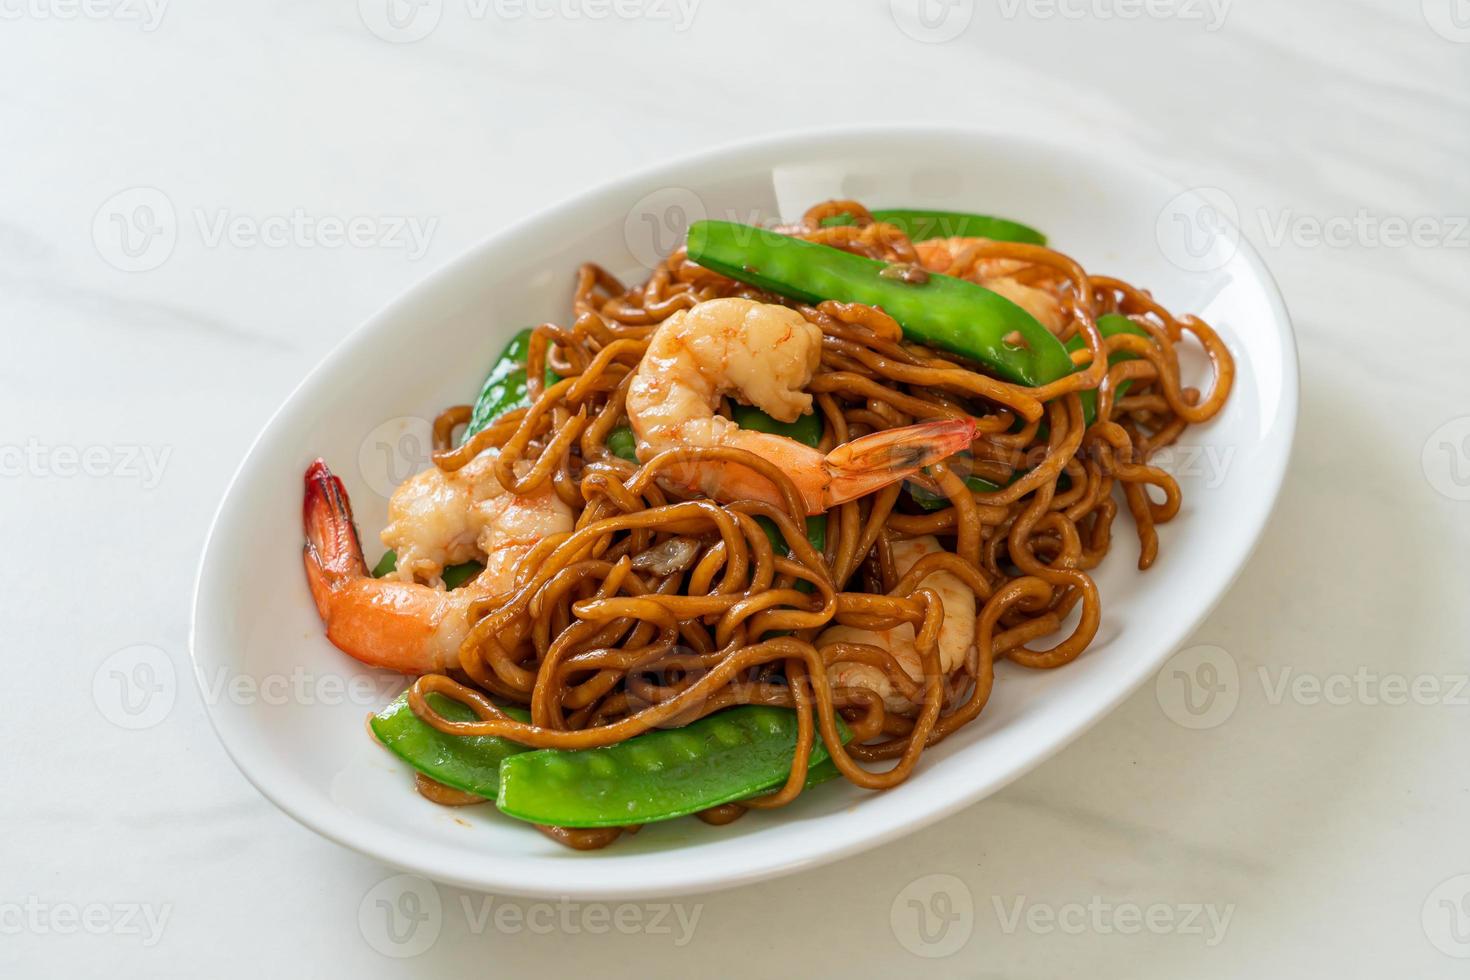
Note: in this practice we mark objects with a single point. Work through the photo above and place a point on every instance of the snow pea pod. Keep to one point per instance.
(504, 389)
(622, 443)
(935, 501)
(920, 224)
(454, 575)
(467, 762)
(1109, 325)
(941, 311)
(659, 775)
(807, 429)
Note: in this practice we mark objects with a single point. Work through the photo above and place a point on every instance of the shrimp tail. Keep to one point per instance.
(333, 553)
(872, 462)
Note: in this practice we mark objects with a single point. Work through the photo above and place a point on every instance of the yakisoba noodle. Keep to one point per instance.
(602, 644)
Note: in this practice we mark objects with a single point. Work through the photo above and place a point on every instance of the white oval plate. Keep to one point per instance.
(289, 707)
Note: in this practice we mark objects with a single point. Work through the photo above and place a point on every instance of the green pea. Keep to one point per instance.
(659, 775)
(467, 762)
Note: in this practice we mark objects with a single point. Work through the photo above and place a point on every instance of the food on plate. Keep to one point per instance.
(766, 518)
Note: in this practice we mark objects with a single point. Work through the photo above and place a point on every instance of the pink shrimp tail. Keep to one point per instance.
(333, 553)
(872, 462)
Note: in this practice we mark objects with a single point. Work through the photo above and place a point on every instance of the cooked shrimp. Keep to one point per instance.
(956, 633)
(996, 275)
(402, 625)
(437, 519)
(765, 355)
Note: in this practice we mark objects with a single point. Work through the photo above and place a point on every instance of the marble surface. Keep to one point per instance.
(1314, 826)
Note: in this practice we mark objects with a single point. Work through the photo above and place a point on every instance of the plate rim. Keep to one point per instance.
(352, 833)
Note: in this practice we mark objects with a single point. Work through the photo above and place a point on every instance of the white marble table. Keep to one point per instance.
(1320, 828)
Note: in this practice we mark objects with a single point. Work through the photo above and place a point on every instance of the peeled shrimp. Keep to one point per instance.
(996, 275)
(398, 623)
(765, 355)
(956, 633)
(439, 518)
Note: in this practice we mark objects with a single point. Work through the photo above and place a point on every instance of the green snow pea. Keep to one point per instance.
(920, 224)
(622, 443)
(466, 762)
(504, 389)
(659, 775)
(1109, 325)
(454, 575)
(941, 311)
